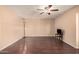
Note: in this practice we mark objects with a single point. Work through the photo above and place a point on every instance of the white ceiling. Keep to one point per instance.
(31, 10)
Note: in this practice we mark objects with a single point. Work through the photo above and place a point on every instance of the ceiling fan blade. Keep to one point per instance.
(54, 10)
(41, 13)
(40, 9)
(49, 6)
(46, 8)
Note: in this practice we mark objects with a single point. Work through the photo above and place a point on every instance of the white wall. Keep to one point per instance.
(39, 26)
(10, 27)
(67, 22)
(77, 30)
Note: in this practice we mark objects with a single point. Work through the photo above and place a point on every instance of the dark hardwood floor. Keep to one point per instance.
(40, 45)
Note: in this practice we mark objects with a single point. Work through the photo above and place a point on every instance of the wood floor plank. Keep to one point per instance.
(40, 45)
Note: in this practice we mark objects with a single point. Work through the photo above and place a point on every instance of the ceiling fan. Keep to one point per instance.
(47, 9)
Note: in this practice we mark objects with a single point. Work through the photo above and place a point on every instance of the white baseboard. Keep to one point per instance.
(69, 44)
(9, 44)
(40, 36)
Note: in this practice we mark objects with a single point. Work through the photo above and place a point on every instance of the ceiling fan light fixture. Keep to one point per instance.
(48, 13)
